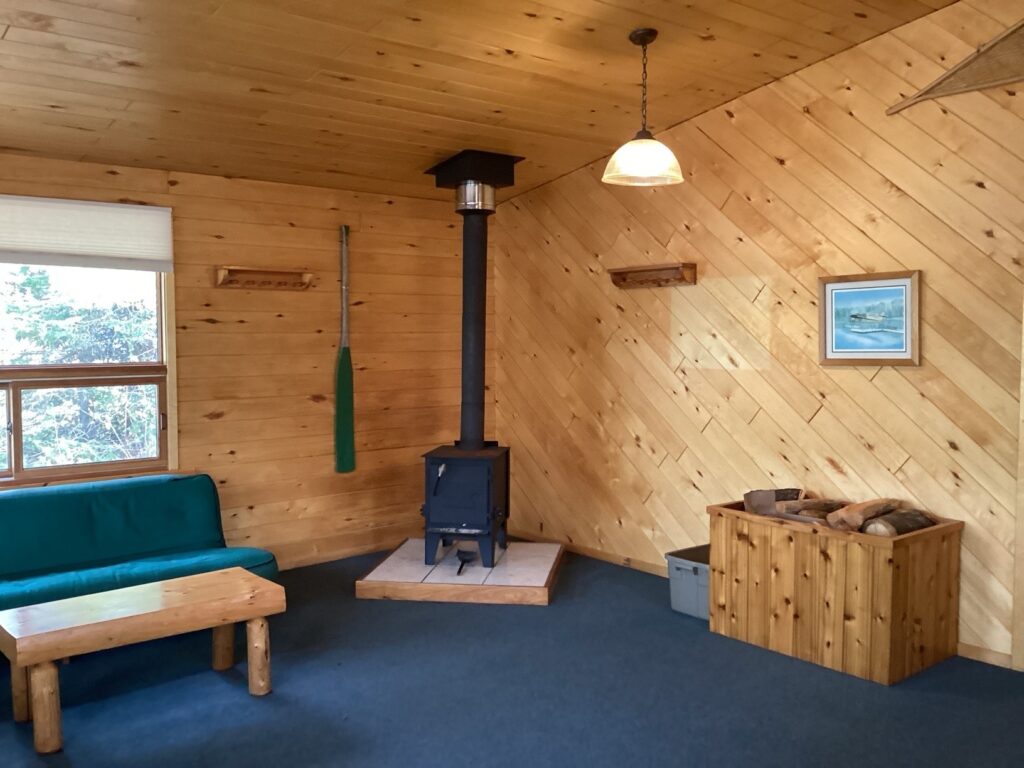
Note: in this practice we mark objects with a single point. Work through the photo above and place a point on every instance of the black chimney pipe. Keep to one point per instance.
(474, 326)
(474, 175)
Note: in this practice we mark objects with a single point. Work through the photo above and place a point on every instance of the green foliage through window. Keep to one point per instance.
(89, 425)
(74, 315)
(80, 316)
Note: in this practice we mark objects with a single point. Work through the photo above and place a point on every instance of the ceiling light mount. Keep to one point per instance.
(643, 36)
(644, 161)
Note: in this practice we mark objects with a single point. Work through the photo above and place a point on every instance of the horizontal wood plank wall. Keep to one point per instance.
(256, 368)
(629, 411)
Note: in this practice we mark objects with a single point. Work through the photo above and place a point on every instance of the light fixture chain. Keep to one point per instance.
(643, 161)
(643, 96)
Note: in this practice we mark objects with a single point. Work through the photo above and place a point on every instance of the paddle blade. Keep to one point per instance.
(344, 415)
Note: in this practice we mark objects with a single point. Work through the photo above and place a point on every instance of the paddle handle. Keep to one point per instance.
(344, 285)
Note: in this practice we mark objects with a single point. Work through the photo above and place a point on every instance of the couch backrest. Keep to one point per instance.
(64, 527)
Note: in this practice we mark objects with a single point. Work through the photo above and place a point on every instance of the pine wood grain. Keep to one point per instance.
(841, 599)
(37, 634)
(255, 368)
(367, 96)
(682, 397)
(44, 687)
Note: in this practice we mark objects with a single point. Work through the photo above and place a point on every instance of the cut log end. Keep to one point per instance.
(897, 523)
(853, 516)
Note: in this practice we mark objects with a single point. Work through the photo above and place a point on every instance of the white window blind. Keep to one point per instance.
(76, 233)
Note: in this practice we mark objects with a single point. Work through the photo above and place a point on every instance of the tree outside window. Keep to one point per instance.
(97, 327)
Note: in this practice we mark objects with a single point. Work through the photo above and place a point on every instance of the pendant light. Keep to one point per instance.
(644, 161)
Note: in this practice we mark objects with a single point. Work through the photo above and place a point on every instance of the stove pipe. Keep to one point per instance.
(474, 175)
(475, 202)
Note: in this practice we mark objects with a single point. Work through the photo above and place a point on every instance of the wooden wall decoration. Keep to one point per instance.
(654, 275)
(908, 345)
(366, 95)
(998, 62)
(263, 279)
(628, 412)
(256, 368)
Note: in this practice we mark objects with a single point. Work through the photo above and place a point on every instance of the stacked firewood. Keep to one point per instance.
(879, 517)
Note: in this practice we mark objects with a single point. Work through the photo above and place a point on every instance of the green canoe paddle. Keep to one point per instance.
(344, 412)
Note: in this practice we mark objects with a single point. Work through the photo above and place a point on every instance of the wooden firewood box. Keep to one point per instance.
(875, 607)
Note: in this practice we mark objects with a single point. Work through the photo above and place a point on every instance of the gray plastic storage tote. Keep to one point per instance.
(688, 580)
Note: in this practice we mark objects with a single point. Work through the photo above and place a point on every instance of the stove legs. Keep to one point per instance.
(430, 551)
(487, 542)
(486, 551)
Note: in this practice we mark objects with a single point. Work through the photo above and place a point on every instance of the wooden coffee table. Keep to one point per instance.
(35, 636)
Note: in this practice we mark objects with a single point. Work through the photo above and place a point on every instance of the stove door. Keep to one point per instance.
(458, 493)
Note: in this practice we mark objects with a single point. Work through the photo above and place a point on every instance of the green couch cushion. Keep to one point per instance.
(57, 586)
(86, 525)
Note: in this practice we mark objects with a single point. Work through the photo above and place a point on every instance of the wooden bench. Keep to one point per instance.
(35, 636)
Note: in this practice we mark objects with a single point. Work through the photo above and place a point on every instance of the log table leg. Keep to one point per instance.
(258, 636)
(19, 694)
(224, 647)
(45, 689)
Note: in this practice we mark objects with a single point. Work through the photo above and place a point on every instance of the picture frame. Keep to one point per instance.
(869, 319)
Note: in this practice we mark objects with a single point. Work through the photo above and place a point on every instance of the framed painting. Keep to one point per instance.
(870, 319)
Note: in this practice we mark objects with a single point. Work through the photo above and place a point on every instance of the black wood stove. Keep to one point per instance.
(467, 483)
(467, 498)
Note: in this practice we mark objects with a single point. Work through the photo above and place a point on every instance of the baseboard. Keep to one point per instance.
(977, 653)
(658, 569)
(317, 555)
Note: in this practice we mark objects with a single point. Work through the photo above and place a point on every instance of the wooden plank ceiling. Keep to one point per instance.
(366, 95)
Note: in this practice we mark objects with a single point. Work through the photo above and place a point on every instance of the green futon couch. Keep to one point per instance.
(68, 540)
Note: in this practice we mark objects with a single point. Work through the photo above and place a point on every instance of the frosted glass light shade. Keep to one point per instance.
(643, 163)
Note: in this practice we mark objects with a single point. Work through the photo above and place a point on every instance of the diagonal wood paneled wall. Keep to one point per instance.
(629, 411)
(256, 368)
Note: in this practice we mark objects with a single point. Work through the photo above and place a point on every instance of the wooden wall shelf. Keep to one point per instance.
(251, 278)
(654, 275)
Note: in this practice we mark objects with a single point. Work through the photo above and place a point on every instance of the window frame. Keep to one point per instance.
(14, 379)
(6, 433)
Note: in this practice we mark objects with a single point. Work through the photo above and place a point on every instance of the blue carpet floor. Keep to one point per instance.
(605, 676)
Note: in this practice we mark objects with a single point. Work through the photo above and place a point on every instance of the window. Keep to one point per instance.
(5, 434)
(83, 380)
